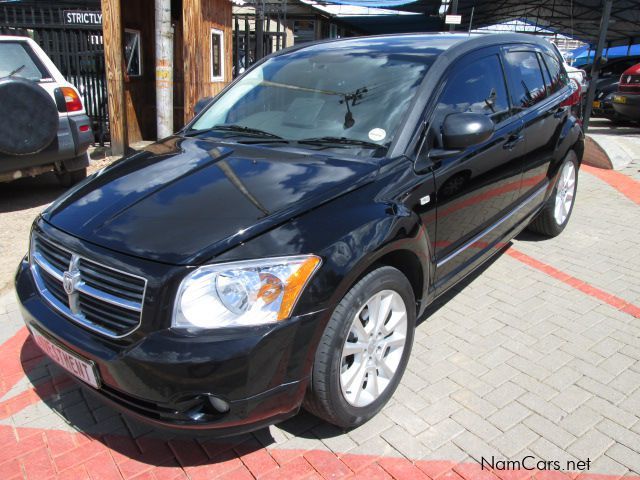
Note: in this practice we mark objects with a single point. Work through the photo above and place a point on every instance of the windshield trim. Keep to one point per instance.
(402, 141)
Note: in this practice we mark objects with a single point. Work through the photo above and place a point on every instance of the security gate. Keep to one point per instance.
(73, 41)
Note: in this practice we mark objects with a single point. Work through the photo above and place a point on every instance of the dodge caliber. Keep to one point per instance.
(276, 252)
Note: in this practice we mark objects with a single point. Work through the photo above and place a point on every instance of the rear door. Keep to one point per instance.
(477, 186)
(535, 94)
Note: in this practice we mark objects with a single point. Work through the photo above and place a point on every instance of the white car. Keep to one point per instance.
(580, 76)
(44, 126)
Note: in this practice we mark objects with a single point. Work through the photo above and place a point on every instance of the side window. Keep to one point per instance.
(526, 75)
(479, 87)
(555, 77)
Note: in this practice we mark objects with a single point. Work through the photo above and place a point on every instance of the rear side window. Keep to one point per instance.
(555, 77)
(16, 59)
(477, 86)
(528, 87)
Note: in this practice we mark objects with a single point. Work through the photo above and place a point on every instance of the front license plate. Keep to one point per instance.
(596, 104)
(617, 99)
(83, 369)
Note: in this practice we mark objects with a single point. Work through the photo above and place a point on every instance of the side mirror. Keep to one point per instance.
(462, 130)
(201, 104)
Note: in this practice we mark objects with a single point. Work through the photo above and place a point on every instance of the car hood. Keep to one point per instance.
(184, 200)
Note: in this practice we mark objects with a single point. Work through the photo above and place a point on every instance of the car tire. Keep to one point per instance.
(68, 179)
(555, 215)
(29, 120)
(347, 389)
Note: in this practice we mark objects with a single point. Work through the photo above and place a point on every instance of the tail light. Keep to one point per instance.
(71, 99)
(574, 98)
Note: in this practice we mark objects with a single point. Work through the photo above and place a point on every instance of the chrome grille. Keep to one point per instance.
(101, 298)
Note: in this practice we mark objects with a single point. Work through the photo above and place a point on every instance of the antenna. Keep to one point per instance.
(471, 19)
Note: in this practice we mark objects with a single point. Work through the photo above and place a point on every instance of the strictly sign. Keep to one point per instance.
(82, 17)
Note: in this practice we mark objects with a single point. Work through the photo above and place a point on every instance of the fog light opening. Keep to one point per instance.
(220, 405)
(206, 407)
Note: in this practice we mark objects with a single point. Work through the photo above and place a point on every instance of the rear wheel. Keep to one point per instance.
(554, 216)
(364, 350)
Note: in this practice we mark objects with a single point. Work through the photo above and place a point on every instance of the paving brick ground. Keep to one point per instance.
(535, 358)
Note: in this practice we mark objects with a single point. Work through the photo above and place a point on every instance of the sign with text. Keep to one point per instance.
(453, 19)
(82, 17)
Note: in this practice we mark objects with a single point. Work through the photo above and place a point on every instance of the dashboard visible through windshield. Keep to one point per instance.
(353, 95)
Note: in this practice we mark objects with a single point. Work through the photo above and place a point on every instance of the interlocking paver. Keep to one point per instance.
(531, 365)
(590, 445)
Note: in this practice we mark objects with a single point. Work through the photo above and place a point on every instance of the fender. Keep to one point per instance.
(351, 234)
(571, 137)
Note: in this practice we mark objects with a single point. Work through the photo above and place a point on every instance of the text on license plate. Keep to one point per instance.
(596, 104)
(618, 99)
(82, 369)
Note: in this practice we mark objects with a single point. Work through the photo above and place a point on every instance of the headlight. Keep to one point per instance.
(242, 293)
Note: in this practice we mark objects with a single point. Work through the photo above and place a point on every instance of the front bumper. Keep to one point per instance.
(167, 377)
(631, 106)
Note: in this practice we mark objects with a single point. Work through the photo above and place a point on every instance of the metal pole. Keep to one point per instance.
(595, 67)
(259, 31)
(629, 46)
(164, 68)
(454, 11)
(471, 19)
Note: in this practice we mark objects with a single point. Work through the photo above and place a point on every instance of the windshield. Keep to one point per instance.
(16, 61)
(344, 90)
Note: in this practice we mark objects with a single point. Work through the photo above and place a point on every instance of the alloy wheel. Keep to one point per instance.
(373, 349)
(565, 191)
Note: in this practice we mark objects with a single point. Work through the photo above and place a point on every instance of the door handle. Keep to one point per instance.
(513, 140)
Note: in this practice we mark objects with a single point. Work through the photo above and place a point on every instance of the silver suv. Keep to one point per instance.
(44, 126)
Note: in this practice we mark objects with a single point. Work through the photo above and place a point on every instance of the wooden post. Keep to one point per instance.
(192, 54)
(114, 58)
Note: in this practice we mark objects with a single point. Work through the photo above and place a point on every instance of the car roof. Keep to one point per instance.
(13, 38)
(434, 43)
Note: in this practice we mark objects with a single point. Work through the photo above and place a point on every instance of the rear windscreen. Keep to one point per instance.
(16, 59)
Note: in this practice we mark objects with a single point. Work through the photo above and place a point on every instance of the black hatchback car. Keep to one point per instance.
(277, 251)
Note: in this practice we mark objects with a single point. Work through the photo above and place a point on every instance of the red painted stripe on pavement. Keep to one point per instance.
(626, 185)
(66, 455)
(616, 302)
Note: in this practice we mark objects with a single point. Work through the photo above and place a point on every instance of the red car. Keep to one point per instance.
(626, 101)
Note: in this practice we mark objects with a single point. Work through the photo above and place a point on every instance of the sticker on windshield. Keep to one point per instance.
(377, 134)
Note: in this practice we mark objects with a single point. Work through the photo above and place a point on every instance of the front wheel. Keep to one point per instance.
(364, 349)
(555, 214)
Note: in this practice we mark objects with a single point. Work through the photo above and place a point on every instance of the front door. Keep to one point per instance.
(478, 186)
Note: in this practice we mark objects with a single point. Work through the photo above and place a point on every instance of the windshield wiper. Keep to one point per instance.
(241, 129)
(17, 70)
(246, 130)
(339, 141)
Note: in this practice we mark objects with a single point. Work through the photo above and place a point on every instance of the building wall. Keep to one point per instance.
(198, 18)
(140, 94)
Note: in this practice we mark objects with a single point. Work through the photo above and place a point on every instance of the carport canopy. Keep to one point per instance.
(579, 19)
(600, 23)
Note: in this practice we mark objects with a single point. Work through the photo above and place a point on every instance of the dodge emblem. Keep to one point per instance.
(70, 281)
